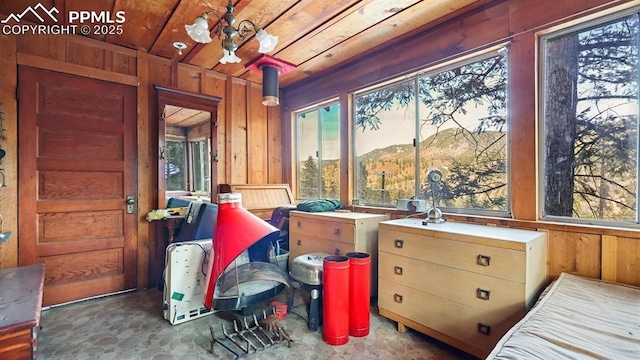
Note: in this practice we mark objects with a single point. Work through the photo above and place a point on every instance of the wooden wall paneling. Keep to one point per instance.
(237, 136)
(75, 69)
(609, 261)
(81, 54)
(145, 194)
(288, 139)
(189, 78)
(158, 72)
(275, 145)
(526, 15)
(115, 58)
(521, 113)
(120, 63)
(228, 129)
(257, 148)
(9, 143)
(215, 85)
(47, 46)
(575, 253)
(628, 260)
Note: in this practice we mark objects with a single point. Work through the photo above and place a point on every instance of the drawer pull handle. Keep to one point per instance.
(336, 231)
(399, 243)
(397, 298)
(483, 294)
(299, 224)
(337, 252)
(484, 328)
(299, 242)
(483, 260)
(397, 270)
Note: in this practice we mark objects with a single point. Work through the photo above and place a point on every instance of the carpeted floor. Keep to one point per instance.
(131, 326)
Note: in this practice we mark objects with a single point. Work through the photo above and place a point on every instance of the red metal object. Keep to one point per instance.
(236, 230)
(283, 67)
(359, 293)
(335, 302)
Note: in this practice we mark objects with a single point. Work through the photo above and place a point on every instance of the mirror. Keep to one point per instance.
(187, 141)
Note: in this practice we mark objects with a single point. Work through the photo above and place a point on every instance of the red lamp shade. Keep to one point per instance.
(236, 230)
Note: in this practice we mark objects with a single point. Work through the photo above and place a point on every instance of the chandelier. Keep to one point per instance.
(199, 32)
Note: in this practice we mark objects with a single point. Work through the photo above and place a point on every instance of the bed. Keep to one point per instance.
(577, 318)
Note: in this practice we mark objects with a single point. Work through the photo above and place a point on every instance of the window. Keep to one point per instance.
(187, 165)
(175, 166)
(589, 140)
(452, 118)
(200, 165)
(318, 152)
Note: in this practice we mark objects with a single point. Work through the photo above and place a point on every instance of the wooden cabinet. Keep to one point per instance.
(463, 284)
(20, 305)
(335, 233)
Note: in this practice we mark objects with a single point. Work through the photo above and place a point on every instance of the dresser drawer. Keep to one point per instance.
(502, 263)
(471, 326)
(333, 230)
(485, 293)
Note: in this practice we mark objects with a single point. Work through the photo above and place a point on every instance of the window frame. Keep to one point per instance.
(542, 38)
(296, 140)
(497, 49)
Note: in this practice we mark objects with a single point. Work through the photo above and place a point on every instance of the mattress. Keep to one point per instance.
(577, 318)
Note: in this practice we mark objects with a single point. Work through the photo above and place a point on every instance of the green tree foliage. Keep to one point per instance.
(309, 179)
(175, 169)
(591, 77)
(479, 181)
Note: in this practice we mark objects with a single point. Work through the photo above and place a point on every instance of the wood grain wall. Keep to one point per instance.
(597, 252)
(248, 145)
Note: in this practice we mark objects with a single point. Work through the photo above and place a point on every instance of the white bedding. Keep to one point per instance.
(577, 318)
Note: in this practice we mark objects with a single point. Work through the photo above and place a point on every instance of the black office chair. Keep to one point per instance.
(177, 202)
(279, 219)
(199, 222)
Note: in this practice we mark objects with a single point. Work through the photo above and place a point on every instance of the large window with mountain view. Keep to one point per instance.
(318, 152)
(453, 118)
(589, 141)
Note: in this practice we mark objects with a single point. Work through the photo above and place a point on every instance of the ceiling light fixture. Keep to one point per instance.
(200, 32)
(180, 46)
(271, 69)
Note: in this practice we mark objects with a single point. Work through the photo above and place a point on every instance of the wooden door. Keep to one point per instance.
(77, 165)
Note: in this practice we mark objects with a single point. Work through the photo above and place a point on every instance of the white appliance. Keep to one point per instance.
(411, 205)
(186, 266)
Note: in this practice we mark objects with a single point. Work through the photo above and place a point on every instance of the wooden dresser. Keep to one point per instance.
(20, 306)
(335, 233)
(463, 284)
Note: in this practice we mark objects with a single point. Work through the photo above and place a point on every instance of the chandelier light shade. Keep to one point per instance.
(227, 33)
(199, 31)
(236, 230)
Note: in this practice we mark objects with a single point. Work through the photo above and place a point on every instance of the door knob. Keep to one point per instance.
(130, 202)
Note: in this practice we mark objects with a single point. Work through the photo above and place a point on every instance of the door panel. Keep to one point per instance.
(77, 144)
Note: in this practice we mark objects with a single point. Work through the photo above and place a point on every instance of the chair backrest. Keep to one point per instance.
(199, 222)
(280, 214)
(177, 202)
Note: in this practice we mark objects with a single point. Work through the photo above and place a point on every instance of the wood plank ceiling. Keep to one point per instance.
(315, 35)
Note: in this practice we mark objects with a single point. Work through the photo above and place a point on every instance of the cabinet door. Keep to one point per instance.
(475, 328)
(323, 228)
(502, 263)
(485, 293)
(301, 244)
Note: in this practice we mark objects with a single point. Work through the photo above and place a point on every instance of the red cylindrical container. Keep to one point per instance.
(359, 293)
(335, 300)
